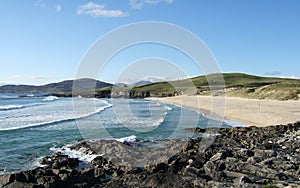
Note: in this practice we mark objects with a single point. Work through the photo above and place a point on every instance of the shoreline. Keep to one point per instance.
(207, 114)
(252, 112)
(238, 157)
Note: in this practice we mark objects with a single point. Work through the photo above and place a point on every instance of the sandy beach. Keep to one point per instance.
(252, 112)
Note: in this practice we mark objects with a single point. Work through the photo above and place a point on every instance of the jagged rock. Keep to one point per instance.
(239, 157)
(58, 161)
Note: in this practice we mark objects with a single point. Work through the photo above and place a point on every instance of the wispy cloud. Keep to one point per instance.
(273, 73)
(98, 10)
(43, 5)
(24, 77)
(58, 8)
(40, 4)
(139, 4)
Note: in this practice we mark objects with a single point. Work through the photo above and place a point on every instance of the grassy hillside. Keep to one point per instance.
(236, 84)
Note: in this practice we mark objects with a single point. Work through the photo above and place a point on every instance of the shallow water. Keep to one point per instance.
(30, 126)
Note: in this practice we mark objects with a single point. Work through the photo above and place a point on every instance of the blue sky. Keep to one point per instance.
(43, 41)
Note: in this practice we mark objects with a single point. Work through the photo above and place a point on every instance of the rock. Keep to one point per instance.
(252, 160)
(209, 167)
(191, 172)
(6, 179)
(239, 157)
(199, 182)
(48, 181)
(60, 161)
(161, 167)
(242, 180)
(265, 153)
(217, 156)
(99, 161)
(17, 184)
(99, 173)
(64, 176)
(233, 174)
(246, 153)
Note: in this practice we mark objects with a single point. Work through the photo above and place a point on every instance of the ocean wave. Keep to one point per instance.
(48, 119)
(128, 139)
(9, 96)
(16, 107)
(235, 123)
(82, 154)
(50, 98)
(168, 108)
(135, 123)
(10, 107)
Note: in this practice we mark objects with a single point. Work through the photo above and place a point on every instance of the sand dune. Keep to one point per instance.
(252, 112)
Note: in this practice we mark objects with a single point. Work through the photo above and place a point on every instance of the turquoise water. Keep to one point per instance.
(31, 126)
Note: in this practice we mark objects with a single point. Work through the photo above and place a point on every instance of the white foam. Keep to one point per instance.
(50, 98)
(83, 154)
(168, 108)
(48, 114)
(128, 139)
(133, 122)
(11, 107)
(235, 123)
(9, 96)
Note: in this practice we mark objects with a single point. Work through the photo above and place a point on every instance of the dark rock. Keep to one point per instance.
(59, 161)
(48, 181)
(99, 161)
(161, 167)
(17, 184)
(239, 157)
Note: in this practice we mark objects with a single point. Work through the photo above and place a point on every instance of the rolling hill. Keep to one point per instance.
(234, 85)
(60, 87)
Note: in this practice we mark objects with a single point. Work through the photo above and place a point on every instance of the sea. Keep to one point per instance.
(34, 126)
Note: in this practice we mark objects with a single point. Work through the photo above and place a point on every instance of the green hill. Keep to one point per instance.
(236, 84)
(230, 84)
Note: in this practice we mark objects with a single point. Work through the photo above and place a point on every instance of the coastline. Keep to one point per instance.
(238, 157)
(252, 112)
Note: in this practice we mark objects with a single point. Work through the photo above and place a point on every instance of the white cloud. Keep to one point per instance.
(138, 4)
(58, 8)
(292, 77)
(97, 10)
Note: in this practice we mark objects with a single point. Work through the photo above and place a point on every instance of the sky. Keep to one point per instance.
(44, 41)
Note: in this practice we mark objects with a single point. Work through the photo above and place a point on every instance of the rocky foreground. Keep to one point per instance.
(239, 157)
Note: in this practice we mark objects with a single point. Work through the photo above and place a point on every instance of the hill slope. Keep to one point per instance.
(236, 84)
(60, 87)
